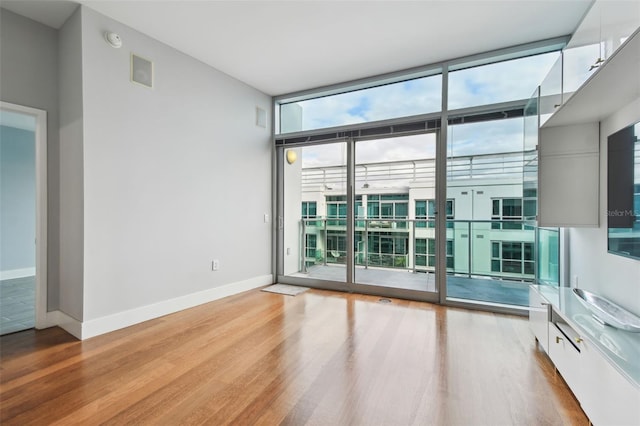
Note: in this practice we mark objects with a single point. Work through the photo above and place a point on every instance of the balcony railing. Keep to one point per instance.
(502, 249)
(502, 165)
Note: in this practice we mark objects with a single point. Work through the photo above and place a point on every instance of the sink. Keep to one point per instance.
(608, 312)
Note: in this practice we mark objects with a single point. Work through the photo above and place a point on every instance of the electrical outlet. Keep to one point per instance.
(574, 281)
(266, 218)
(215, 265)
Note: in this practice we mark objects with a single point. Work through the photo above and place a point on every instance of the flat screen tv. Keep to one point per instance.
(623, 191)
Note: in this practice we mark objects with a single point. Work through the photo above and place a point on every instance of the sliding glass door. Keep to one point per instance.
(314, 221)
(394, 232)
(493, 246)
(359, 215)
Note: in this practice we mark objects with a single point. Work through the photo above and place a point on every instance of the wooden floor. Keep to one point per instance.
(320, 358)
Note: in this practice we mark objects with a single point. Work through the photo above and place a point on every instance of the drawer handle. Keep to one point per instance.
(578, 339)
(544, 304)
(559, 339)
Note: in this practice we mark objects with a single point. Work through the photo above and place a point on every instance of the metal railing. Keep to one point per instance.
(502, 165)
(404, 244)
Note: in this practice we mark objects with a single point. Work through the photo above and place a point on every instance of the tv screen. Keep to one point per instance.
(623, 191)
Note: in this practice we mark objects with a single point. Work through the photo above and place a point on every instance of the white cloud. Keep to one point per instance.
(499, 82)
(504, 81)
(328, 155)
(408, 98)
(485, 137)
(405, 148)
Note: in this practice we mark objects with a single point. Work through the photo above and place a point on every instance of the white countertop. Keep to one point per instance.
(620, 347)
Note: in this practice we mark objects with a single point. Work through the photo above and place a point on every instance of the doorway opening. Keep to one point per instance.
(23, 218)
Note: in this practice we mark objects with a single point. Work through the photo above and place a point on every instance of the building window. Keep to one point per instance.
(507, 212)
(426, 213)
(336, 246)
(388, 249)
(383, 210)
(310, 244)
(426, 253)
(337, 209)
(309, 209)
(512, 257)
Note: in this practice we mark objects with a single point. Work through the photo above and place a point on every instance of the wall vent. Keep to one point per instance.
(261, 117)
(141, 71)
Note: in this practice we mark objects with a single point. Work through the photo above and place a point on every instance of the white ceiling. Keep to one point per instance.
(281, 47)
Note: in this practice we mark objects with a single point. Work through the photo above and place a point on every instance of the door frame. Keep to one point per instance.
(41, 207)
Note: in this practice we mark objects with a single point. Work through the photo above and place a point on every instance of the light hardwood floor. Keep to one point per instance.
(320, 358)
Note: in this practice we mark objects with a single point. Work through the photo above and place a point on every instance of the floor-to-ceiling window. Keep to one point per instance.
(494, 257)
(361, 205)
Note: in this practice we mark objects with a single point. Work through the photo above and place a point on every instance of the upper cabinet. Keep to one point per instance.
(569, 177)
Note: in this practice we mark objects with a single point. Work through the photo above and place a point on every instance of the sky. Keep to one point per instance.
(493, 83)
(403, 148)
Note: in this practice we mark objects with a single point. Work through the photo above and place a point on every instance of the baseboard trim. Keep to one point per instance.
(130, 317)
(67, 323)
(17, 273)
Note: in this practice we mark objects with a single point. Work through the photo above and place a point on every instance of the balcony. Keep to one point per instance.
(487, 261)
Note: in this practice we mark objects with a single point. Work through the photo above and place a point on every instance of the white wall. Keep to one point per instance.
(477, 203)
(29, 77)
(174, 176)
(71, 176)
(612, 276)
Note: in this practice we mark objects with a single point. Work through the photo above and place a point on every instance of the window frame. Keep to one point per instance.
(526, 264)
(306, 205)
(500, 221)
(430, 206)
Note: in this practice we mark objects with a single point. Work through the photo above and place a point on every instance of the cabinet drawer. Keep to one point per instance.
(539, 318)
(566, 358)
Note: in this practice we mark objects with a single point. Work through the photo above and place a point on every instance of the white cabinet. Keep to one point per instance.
(566, 358)
(600, 364)
(569, 177)
(601, 382)
(539, 318)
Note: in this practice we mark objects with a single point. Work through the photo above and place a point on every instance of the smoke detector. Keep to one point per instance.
(113, 39)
